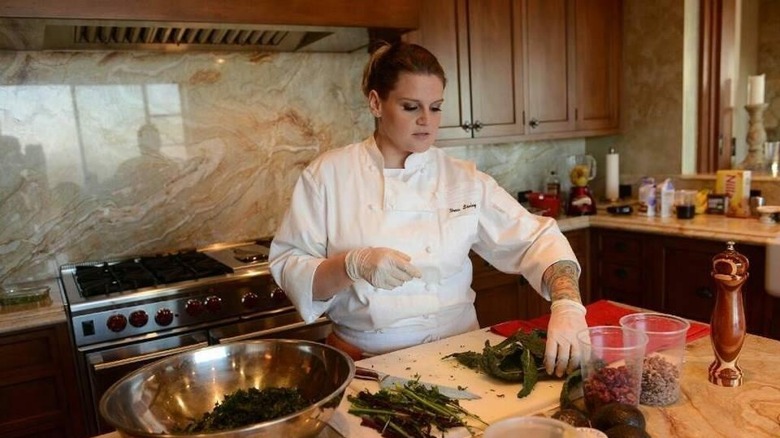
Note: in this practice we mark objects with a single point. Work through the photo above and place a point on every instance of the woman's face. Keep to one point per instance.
(409, 118)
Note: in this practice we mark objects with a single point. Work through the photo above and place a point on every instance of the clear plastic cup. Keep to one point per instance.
(612, 360)
(537, 427)
(664, 355)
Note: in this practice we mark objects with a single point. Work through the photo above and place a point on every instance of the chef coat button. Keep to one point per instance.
(371, 207)
(428, 249)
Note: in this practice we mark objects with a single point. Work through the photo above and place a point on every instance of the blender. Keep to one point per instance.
(582, 171)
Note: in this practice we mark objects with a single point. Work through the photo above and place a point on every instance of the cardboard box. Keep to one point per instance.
(736, 185)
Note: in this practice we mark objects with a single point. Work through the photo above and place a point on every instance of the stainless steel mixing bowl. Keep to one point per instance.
(173, 392)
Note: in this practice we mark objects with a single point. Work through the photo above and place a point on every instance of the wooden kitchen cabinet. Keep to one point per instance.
(525, 69)
(597, 54)
(689, 290)
(499, 296)
(503, 297)
(672, 275)
(479, 46)
(572, 66)
(619, 272)
(549, 66)
(38, 391)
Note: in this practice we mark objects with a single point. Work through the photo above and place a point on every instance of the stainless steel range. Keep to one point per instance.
(129, 312)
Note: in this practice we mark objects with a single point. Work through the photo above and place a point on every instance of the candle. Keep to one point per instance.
(756, 90)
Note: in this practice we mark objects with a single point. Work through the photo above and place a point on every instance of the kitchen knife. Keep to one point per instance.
(388, 381)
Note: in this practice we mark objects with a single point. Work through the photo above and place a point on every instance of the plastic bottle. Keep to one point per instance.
(552, 186)
(651, 201)
(667, 198)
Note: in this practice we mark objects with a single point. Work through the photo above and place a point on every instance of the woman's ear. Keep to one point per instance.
(374, 104)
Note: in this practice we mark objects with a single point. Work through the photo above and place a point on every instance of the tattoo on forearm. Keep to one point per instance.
(561, 281)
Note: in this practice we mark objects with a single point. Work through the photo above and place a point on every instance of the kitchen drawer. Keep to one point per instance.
(621, 277)
(621, 247)
(622, 283)
(38, 393)
(28, 350)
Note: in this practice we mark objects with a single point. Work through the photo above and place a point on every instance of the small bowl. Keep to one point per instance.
(589, 432)
(530, 426)
(769, 214)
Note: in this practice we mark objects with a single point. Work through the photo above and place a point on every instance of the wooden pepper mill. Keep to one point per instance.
(727, 324)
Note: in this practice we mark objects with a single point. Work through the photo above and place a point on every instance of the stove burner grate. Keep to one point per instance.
(144, 272)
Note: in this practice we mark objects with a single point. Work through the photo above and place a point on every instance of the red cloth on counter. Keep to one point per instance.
(602, 312)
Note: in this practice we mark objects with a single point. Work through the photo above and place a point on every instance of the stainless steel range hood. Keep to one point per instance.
(181, 25)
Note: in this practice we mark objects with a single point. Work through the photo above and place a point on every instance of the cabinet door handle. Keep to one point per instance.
(704, 292)
(621, 273)
(477, 125)
(533, 123)
(467, 126)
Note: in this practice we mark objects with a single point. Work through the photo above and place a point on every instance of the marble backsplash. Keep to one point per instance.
(107, 154)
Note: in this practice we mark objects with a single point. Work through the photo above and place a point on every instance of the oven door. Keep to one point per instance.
(107, 366)
(287, 325)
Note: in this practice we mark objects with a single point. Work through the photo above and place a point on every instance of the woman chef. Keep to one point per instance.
(378, 233)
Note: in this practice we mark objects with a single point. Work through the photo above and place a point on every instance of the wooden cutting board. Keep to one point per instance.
(499, 399)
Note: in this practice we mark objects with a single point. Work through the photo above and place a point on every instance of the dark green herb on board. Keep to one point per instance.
(518, 358)
(250, 406)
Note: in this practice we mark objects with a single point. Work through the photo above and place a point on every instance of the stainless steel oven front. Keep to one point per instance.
(107, 364)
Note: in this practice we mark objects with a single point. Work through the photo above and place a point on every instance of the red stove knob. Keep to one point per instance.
(194, 307)
(116, 323)
(163, 317)
(213, 304)
(139, 318)
(278, 296)
(250, 300)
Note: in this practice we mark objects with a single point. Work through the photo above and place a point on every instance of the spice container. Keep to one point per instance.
(612, 359)
(663, 362)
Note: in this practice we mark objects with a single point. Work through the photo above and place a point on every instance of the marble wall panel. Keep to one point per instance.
(112, 154)
(651, 99)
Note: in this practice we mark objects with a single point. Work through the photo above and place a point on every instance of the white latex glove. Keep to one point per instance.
(562, 352)
(384, 268)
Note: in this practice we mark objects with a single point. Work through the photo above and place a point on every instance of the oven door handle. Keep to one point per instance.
(284, 328)
(150, 356)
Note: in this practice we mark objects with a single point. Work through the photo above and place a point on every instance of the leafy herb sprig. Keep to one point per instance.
(518, 358)
(409, 411)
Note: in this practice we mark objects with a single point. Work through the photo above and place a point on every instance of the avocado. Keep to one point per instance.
(616, 414)
(626, 431)
(572, 416)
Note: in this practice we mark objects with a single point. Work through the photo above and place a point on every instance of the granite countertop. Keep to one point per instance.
(23, 316)
(703, 226)
(704, 409)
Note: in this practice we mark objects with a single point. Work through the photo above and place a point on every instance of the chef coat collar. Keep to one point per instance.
(413, 161)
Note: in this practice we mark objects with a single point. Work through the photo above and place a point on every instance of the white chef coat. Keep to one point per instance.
(435, 210)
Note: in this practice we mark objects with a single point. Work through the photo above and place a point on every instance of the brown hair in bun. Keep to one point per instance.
(388, 61)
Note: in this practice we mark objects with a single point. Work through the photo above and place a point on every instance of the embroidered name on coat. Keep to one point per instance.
(465, 207)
